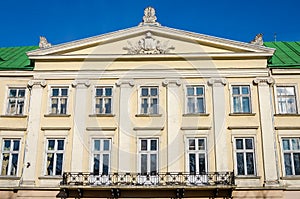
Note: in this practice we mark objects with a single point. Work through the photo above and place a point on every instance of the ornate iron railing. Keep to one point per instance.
(147, 179)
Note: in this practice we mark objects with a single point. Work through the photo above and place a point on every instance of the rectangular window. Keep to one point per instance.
(15, 101)
(195, 99)
(196, 154)
(149, 100)
(101, 156)
(103, 100)
(241, 99)
(286, 100)
(148, 156)
(245, 156)
(291, 155)
(59, 100)
(10, 157)
(54, 156)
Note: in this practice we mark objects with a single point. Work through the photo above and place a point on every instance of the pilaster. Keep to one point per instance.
(219, 124)
(34, 119)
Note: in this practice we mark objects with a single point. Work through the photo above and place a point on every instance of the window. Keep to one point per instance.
(286, 100)
(196, 154)
(59, 100)
(148, 156)
(54, 156)
(15, 101)
(291, 155)
(244, 154)
(10, 157)
(149, 100)
(195, 99)
(103, 100)
(101, 156)
(241, 99)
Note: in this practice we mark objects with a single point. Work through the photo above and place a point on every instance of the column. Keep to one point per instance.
(173, 117)
(79, 120)
(219, 124)
(126, 156)
(267, 130)
(33, 130)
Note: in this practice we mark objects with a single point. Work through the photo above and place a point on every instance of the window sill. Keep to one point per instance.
(247, 177)
(242, 114)
(290, 178)
(57, 115)
(13, 116)
(50, 177)
(195, 114)
(9, 178)
(101, 115)
(287, 114)
(148, 115)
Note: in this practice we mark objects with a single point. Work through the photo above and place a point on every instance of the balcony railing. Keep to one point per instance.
(147, 179)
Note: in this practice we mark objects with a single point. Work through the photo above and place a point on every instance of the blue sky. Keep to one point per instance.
(22, 22)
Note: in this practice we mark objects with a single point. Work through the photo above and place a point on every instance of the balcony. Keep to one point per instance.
(153, 185)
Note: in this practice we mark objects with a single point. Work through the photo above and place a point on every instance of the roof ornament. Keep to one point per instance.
(258, 40)
(44, 43)
(149, 17)
(148, 45)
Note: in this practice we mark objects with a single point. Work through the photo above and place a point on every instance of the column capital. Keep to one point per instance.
(36, 82)
(129, 82)
(81, 82)
(171, 82)
(264, 81)
(217, 82)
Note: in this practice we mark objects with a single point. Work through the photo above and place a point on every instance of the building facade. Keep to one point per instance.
(150, 112)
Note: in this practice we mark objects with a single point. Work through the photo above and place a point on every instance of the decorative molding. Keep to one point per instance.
(101, 128)
(242, 114)
(81, 82)
(148, 45)
(124, 82)
(36, 82)
(56, 128)
(242, 127)
(195, 128)
(217, 81)
(174, 82)
(12, 129)
(57, 115)
(287, 127)
(264, 81)
(101, 115)
(13, 116)
(149, 17)
(148, 115)
(148, 128)
(44, 43)
(195, 114)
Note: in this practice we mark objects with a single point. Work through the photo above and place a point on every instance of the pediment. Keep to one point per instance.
(150, 41)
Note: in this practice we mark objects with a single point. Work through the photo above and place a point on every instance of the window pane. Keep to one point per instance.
(144, 106)
(199, 90)
(60, 144)
(192, 163)
(106, 145)
(153, 91)
(99, 92)
(55, 92)
(64, 92)
(295, 144)
(153, 145)
(12, 93)
(296, 157)
(288, 164)
(191, 105)
(144, 91)
(108, 105)
(16, 145)
(105, 164)
(289, 90)
(108, 92)
(192, 144)
(249, 144)
(245, 90)
(202, 163)
(250, 163)
(235, 90)
(5, 162)
(7, 145)
(201, 144)
(96, 164)
(14, 165)
(153, 159)
(240, 164)
(190, 91)
(246, 104)
(59, 162)
(144, 145)
(51, 144)
(236, 105)
(286, 144)
(21, 93)
(143, 163)
(50, 159)
(154, 106)
(97, 145)
(239, 143)
(200, 105)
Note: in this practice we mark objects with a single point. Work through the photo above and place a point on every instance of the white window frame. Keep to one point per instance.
(291, 151)
(196, 152)
(8, 97)
(50, 99)
(148, 152)
(195, 97)
(276, 97)
(240, 97)
(55, 151)
(244, 151)
(94, 110)
(11, 152)
(101, 152)
(140, 101)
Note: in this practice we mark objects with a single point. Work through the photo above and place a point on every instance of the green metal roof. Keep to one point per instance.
(287, 54)
(15, 58)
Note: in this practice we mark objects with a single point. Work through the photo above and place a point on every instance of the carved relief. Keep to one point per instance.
(148, 45)
(149, 17)
(258, 40)
(44, 43)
